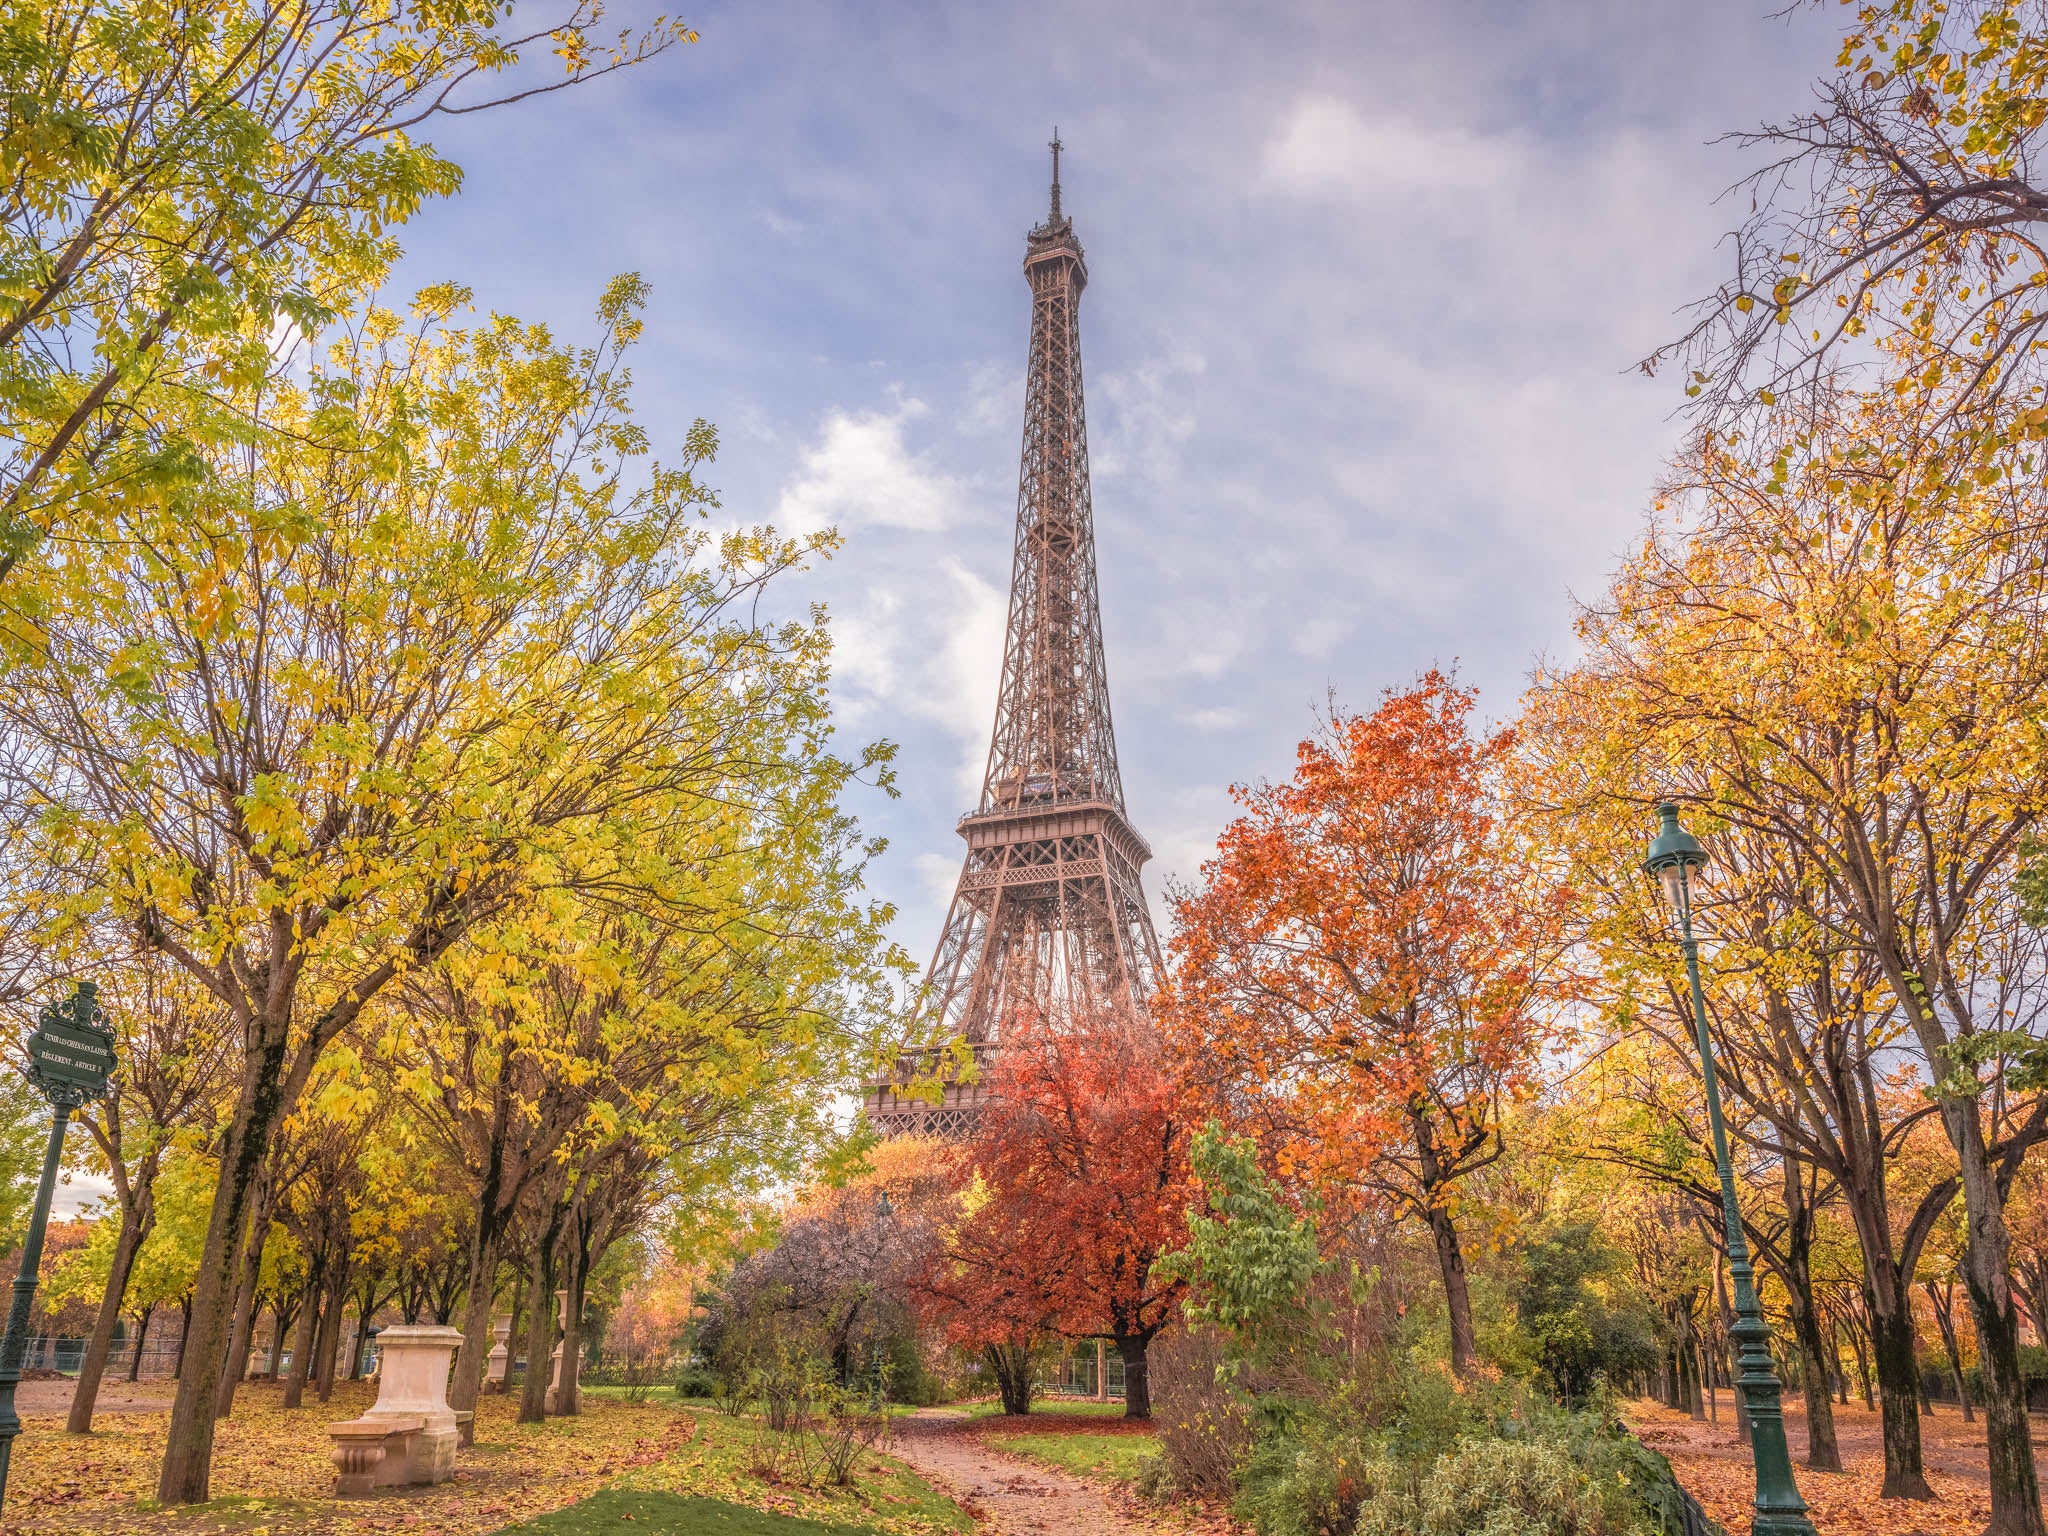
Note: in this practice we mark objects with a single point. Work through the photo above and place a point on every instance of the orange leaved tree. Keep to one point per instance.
(1364, 971)
(1074, 1184)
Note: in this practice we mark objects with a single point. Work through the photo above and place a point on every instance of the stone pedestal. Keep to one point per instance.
(498, 1363)
(412, 1385)
(554, 1380)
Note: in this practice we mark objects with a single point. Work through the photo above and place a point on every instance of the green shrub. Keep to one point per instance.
(1579, 1318)
(1419, 1455)
(696, 1380)
(1617, 1458)
(1313, 1484)
(1490, 1487)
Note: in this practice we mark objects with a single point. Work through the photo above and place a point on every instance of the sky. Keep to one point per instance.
(1367, 282)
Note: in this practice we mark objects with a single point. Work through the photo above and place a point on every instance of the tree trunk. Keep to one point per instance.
(1858, 1347)
(333, 1304)
(484, 1246)
(567, 1402)
(280, 1325)
(1945, 1323)
(86, 1394)
(1795, 1272)
(141, 1337)
(1823, 1454)
(2015, 1487)
(1689, 1369)
(2035, 1298)
(366, 1308)
(184, 1336)
(1137, 1375)
(1898, 1385)
(1457, 1294)
(1704, 1364)
(302, 1341)
(243, 1329)
(188, 1446)
(1010, 1364)
(513, 1320)
(540, 1330)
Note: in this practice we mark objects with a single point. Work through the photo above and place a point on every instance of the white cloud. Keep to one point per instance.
(1363, 300)
(938, 875)
(994, 405)
(861, 472)
(1327, 146)
(1148, 419)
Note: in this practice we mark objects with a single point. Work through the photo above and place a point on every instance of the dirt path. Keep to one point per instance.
(1019, 1498)
(36, 1398)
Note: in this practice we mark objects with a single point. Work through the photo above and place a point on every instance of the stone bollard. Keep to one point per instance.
(498, 1363)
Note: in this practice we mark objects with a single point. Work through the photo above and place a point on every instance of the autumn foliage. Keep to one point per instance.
(1367, 971)
(1073, 1186)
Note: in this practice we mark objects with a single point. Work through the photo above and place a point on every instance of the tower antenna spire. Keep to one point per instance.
(1056, 147)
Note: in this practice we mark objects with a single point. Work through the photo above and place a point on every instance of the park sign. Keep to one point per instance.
(71, 1053)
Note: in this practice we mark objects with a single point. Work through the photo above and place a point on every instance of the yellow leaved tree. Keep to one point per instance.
(428, 636)
(179, 183)
(1844, 661)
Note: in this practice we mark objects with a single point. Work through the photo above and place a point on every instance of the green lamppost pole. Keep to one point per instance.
(70, 1057)
(1674, 854)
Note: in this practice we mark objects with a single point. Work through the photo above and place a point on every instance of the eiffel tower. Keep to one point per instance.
(1048, 911)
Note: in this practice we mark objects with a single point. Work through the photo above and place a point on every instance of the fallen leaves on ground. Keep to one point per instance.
(1716, 1468)
(272, 1474)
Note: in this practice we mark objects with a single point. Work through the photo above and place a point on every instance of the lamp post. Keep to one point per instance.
(70, 1058)
(1674, 854)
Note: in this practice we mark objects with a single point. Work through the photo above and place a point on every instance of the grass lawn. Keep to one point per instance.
(992, 1407)
(1077, 1442)
(886, 1499)
(620, 1510)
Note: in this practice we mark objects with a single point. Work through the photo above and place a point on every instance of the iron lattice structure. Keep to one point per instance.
(1048, 912)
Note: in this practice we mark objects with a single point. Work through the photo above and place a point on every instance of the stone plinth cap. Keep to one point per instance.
(417, 1333)
(374, 1429)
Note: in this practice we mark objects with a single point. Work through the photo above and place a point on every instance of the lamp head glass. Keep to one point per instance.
(1674, 854)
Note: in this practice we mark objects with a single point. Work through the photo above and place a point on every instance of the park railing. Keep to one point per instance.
(64, 1354)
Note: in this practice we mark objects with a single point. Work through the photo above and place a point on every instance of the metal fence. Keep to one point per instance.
(64, 1354)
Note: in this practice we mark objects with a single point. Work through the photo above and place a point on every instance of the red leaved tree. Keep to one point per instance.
(1362, 974)
(1074, 1184)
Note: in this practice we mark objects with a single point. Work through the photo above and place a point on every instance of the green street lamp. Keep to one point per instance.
(1674, 854)
(70, 1058)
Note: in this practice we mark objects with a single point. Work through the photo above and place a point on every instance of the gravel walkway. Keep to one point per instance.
(1019, 1498)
